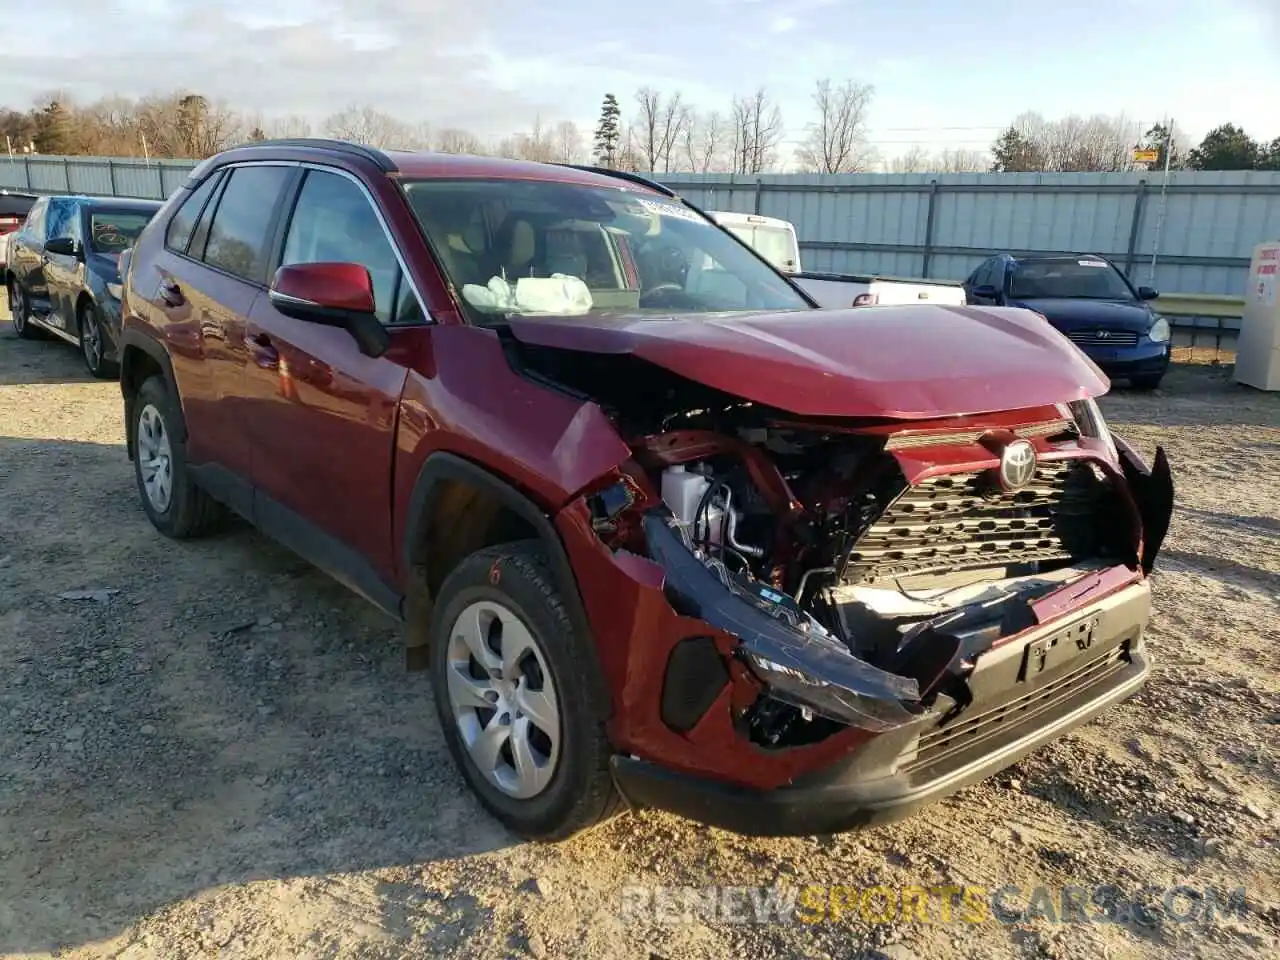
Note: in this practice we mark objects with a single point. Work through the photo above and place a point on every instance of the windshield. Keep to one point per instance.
(773, 243)
(114, 231)
(519, 247)
(1082, 279)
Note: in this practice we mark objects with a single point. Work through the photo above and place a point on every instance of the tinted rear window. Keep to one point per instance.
(238, 236)
(184, 221)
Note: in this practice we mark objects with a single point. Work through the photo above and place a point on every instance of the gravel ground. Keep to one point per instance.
(223, 756)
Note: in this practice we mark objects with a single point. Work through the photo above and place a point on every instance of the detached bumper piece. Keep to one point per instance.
(790, 655)
(1152, 491)
(1026, 694)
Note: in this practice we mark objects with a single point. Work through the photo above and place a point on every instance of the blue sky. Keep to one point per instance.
(946, 72)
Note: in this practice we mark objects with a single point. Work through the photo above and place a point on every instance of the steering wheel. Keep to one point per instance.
(658, 291)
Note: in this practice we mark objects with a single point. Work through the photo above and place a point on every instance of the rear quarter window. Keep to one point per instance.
(178, 233)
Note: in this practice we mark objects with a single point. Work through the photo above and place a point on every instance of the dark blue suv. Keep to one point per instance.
(1088, 299)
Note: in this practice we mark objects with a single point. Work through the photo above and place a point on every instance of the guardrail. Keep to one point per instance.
(1200, 305)
(1200, 318)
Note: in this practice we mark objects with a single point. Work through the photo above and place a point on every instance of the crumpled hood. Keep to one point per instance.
(1074, 314)
(908, 362)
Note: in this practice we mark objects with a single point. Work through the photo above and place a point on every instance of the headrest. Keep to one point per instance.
(524, 245)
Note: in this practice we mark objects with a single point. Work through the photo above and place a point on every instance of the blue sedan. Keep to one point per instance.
(1089, 300)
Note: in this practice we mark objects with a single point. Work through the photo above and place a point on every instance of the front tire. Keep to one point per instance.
(170, 497)
(518, 695)
(20, 314)
(93, 344)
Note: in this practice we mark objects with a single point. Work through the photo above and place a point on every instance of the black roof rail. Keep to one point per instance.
(622, 175)
(372, 154)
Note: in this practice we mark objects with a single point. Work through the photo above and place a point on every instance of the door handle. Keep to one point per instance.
(171, 293)
(264, 352)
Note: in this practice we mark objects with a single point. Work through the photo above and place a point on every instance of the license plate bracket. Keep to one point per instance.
(1045, 654)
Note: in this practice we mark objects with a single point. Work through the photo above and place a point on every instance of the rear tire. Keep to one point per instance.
(510, 673)
(172, 501)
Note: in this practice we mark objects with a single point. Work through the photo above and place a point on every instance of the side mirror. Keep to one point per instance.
(333, 294)
(1148, 293)
(62, 246)
(984, 291)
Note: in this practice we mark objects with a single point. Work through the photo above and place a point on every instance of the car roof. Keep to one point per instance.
(115, 203)
(1056, 257)
(425, 165)
(445, 166)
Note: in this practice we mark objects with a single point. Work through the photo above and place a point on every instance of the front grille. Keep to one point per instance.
(964, 521)
(947, 740)
(1103, 338)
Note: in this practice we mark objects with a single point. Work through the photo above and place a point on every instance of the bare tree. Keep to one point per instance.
(836, 142)
(964, 161)
(757, 130)
(920, 160)
(703, 142)
(1070, 144)
(289, 127)
(915, 160)
(370, 126)
(566, 143)
(660, 125)
(454, 140)
(629, 156)
(538, 144)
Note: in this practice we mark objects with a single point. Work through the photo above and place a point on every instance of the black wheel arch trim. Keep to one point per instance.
(154, 350)
(443, 467)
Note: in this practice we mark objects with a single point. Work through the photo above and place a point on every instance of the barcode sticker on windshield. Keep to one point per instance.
(669, 210)
(1091, 263)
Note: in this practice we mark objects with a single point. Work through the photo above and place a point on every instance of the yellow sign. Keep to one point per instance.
(1146, 156)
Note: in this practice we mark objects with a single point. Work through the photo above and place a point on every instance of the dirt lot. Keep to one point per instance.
(225, 757)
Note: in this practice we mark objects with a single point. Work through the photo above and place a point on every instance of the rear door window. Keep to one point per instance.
(178, 234)
(239, 233)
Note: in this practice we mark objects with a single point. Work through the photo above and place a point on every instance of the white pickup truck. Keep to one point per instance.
(775, 240)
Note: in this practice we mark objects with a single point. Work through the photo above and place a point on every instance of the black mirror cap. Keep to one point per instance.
(1148, 293)
(368, 332)
(63, 247)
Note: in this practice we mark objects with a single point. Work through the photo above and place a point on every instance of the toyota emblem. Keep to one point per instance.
(1017, 465)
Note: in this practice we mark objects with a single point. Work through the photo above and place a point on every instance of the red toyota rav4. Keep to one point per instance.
(662, 533)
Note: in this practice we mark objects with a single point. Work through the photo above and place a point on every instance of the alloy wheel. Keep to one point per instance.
(18, 308)
(91, 339)
(155, 458)
(503, 699)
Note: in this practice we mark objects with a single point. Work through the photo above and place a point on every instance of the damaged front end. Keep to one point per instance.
(769, 593)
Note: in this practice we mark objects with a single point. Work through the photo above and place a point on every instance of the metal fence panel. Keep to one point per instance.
(908, 225)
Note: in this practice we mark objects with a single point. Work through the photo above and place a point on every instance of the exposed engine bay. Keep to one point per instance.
(860, 596)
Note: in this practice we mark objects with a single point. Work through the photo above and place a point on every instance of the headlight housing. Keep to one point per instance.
(116, 290)
(1159, 332)
(1090, 422)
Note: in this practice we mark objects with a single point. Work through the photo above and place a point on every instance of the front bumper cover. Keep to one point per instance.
(887, 778)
